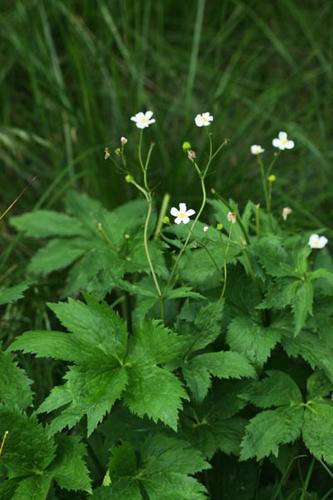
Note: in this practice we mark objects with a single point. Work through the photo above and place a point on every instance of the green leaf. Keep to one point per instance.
(302, 304)
(56, 345)
(271, 254)
(121, 489)
(318, 385)
(28, 449)
(318, 430)
(314, 349)
(56, 254)
(13, 293)
(34, 487)
(277, 389)
(155, 392)
(15, 388)
(44, 223)
(91, 391)
(70, 470)
(219, 364)
(95, 324)
(270, 429)
(251, 339)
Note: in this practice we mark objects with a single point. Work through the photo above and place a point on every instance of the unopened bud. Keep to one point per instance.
(232, 216)
(129, 178)
(205, 229)
(271, 178)
(219, 226)
(107, 153)
(123, 141)
(166, 220)
(191, 155)
(186, 146)
(117, 151)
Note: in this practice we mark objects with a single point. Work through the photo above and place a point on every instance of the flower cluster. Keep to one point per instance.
(144, 119)
(281, 142)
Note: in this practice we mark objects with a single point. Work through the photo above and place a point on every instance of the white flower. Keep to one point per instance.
(203, 120)
(316, 241)
(282, 142)
(143, 120)
(285, 212)
(256, 149)
(182, 215)
(231, 216)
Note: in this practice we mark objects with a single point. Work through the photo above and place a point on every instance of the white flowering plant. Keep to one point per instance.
(189, 335)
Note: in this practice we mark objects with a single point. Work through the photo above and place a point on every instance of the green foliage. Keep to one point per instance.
(161, 469)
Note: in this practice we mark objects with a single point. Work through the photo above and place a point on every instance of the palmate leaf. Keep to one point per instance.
(106, 367)
(223, 364)
(32, 459)
(270, 429)
(271, 254)
(277, 389)
(251, 339)
(29, 448)
(161, 469)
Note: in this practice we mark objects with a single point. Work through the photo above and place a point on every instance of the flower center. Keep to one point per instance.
(182, 215)
(285, 140)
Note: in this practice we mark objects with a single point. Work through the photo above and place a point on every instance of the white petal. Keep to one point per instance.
(190, 212)
(182, 207)
(148, 114)
(141, 125)
(206, 115)
(290, 145)
(185, 220)
(174, 211)
(134, 118)
(322, 242)
(276, 143)
(282, 136)
(178, 220)
(151, 121)
(198, 121)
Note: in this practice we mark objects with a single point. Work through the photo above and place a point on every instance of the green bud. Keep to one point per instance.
(166, 220)
(117, 151)
(219, 227)
(186, 146)
(129, 178)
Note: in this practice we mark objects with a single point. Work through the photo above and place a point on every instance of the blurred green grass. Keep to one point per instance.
(73, 72)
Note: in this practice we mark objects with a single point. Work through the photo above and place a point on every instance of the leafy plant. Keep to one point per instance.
(190, 342)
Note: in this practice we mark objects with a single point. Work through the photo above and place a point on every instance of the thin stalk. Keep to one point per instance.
(202, 206)
(307, 479)
(264, 182)
(163, 210)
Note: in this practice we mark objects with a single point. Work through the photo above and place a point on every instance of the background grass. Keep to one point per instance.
(73, 72)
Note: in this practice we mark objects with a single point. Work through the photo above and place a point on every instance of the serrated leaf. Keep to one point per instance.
(121, 489)
(318, 430)
(218, 364)
(56, 254)
(70, 470)
(277, 389)
(302, 304)
(270, 429)
(45, 223)
(251, 339)
(15, 388)
(8, 295)
(271, 254)
(314, 349)
(155, 392)
(28, 448)
(91, 391)
(318, 385)
(34, 487)
(95, 323)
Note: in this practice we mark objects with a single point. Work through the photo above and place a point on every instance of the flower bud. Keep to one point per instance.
(232, 216)
(166, 220)
(123, 141)
(129, 178)
(271, 178)
(191, 155)
(117, 151)
(186, 146)
(219, 227)
(107, 153)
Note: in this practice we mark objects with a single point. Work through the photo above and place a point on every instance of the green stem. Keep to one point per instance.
(164, 207)
(202, 206)
(264, 181)
(307, 479)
